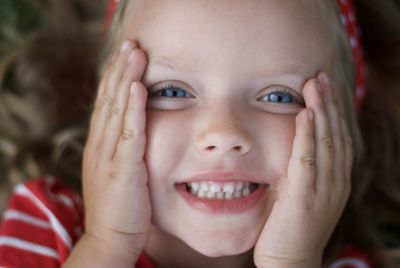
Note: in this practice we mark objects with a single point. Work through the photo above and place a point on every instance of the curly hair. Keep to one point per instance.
(48, 76)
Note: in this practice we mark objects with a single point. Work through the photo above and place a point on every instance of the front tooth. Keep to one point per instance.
(220, 195)
(215, 188)
(228, 188)
(204, 186)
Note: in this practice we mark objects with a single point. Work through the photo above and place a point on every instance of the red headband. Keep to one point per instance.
(349, 21)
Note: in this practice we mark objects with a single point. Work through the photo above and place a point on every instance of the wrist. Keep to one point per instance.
(91, 251)
(113, 247)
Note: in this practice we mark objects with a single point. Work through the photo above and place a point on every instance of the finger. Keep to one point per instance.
(133, 72)
(323, 140)
(301, 169)
(132, 141)
(336, 131)
(105, 98)
(93, 126)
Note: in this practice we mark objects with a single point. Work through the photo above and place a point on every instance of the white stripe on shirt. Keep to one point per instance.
(22, 190)
(65, 200)
(357, 263)
(25, 218)
(28, 246)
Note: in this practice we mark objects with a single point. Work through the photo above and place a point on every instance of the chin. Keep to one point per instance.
(220, 243)
(217, 249)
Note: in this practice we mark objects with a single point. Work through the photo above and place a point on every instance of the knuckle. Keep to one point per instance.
(128, 134)
(114, 170)
(307, 160)
(115, 108)
(106, 99)
(327, 141)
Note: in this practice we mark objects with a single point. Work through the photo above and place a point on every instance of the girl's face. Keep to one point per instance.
(232, 73)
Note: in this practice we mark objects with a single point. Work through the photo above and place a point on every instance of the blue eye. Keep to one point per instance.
(282, 97)
(279, 97)
(171, 91)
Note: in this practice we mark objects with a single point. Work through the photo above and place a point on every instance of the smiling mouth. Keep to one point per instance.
(221, 191)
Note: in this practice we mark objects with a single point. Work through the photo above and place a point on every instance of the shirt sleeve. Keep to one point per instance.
(42, 222)
(352, 257)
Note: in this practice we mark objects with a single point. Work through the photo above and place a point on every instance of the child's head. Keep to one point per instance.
(232, 74)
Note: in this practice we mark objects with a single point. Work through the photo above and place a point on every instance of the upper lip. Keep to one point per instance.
(225, 176)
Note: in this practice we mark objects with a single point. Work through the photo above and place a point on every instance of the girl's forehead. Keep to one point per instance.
(231, 31)
(228, 12)
(228, 17)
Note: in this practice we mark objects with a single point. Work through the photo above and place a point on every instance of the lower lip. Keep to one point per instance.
(216, 206)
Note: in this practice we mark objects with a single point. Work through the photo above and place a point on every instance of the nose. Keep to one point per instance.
(223, 135)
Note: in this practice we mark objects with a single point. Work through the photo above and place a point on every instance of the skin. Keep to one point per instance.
(305, 158)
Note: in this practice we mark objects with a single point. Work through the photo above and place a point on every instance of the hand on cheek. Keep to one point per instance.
(115, 176)
(313, 195)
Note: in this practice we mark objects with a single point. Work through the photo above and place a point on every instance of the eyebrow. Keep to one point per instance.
(180, 64)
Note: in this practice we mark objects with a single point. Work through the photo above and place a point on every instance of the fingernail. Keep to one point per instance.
(133, 88)
(325, 79)
(125, 45)
(310, 114)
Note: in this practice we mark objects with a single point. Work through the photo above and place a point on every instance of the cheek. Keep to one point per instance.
(275, 137)
(165, 145)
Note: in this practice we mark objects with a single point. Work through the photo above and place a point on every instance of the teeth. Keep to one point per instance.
(228, 195)
(246, 191)
(237, 194)
(202, 194)
(210, 195)
(228, 188)
(204, 186)
(195, 186)
(239, 186)
(220, 195)
(213, 190)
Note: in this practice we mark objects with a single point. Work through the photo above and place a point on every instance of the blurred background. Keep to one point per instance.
(49, 53)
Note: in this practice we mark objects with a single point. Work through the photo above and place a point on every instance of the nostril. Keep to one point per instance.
(237, 148)
(209, 148)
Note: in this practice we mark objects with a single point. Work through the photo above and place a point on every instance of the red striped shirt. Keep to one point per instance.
(44, 220)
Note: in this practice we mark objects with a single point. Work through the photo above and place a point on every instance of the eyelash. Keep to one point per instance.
(285, 91)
